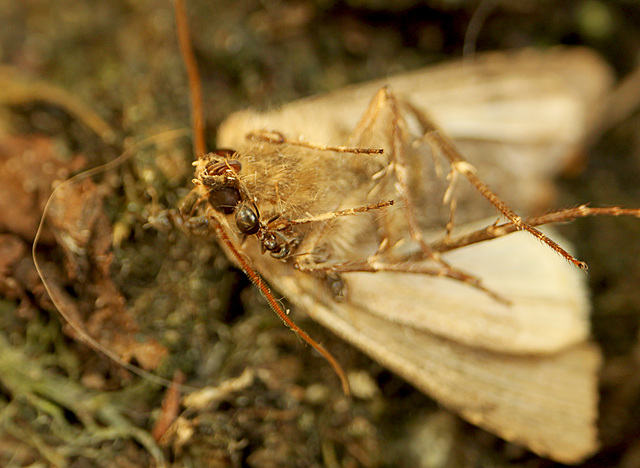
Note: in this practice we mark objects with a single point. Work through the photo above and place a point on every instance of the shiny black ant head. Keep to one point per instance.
(247, 219)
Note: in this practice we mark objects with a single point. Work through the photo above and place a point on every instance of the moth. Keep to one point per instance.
(358, 209)
(374, 209)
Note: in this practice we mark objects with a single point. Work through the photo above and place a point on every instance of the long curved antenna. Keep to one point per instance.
(91, 341)
(475, 25)
(199, 144)
(195, 86)
(275, 305)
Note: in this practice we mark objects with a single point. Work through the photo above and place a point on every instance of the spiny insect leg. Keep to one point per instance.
(278, 138)
(499, 230)
(440, 142)
(384, 103)
(373, 265)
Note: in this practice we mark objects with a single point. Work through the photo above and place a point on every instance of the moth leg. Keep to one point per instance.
(385, 101)
(372, 265)
(385, 105)
(337, 214)
(331, 273)
(441, 143)
(278, 138)
(498, 230)
(278, 225)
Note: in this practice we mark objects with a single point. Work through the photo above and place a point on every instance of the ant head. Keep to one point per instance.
(247, 219)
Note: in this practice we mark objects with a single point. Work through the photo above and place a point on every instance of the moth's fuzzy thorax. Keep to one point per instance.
(293, 182)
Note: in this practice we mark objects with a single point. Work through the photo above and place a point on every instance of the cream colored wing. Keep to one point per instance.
(519, 97)
(547, 402)
(531, 109)
(548, 308)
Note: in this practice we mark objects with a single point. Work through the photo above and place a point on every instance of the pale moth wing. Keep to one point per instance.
(547, 403)
(525, 112)
(524, 371)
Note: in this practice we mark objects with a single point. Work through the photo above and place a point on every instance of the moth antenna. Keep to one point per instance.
(275, 305)
(195, 87)
(86, 337)
(475, 26)
(193, 74)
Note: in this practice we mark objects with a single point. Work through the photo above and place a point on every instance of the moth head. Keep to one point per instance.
(217, 173)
